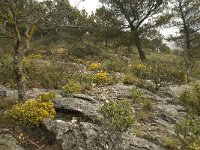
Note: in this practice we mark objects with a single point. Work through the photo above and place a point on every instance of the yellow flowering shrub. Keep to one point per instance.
(101, 77)
(94, 66)
(140, 69)
(33, 111)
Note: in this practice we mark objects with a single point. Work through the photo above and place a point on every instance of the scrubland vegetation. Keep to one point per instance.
(76, 52)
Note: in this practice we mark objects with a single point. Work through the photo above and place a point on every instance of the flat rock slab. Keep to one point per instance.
(8, 142)
(176, 112)
(87, 108)
(86, 136)
(176, 90)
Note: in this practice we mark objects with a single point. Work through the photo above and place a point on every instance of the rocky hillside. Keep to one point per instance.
(78, 121)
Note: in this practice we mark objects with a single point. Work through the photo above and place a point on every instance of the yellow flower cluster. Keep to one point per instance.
(140, 67)
(32, 112)
(36, 56)
(101, 77)
(94, 66)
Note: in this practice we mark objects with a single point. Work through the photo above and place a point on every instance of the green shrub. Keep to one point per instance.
(83, 51)
(86, 78)
(114, 65)
(140, 70)
(147, 105)
(47, 74)
(7, 71)
(142, 116)
(188, 132)
(171, 143)
(71, 87)
(135, 94)
(191, 100)
(33, 111)
(129, 79)
(161, 74)
(118, 115)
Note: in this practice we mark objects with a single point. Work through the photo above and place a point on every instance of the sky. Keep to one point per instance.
(88, 5)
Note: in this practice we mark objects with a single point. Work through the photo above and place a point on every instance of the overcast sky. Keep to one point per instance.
(88, 5)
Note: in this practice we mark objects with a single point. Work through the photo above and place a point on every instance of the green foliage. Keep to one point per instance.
(33, 111)
(147, 105)
(135, 94)
(171, 143)
(47, 74)
(83, 51)
(6, 71)
(129, 79)
(71, 87)
(86, 78)
(188, 132)
(114, 65)
(118, 115)
(142, 116)
(6, 103)
(140, 70)
(191, 100)
(161, 74)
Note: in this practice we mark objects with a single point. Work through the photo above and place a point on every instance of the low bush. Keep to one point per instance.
(142, 116)
(94, 66)
(72, 87)
(191, 100)
(47, 74)
(160, 74)
(147, 105)
(83, 51)
(135, 94)
(171, 143)
(33, 111)
(129, 79)
(101, 77)
(188, 132)
(114, 65)
(118, 115)
(140, 70)
(7, 71)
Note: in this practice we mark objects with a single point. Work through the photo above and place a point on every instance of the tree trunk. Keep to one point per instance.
(139, 46)
(19, 75)
(106, 43)
(188, 43)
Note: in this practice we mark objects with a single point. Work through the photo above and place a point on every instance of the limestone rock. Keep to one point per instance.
(85, 107)
(84, 136)
(8, 142)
